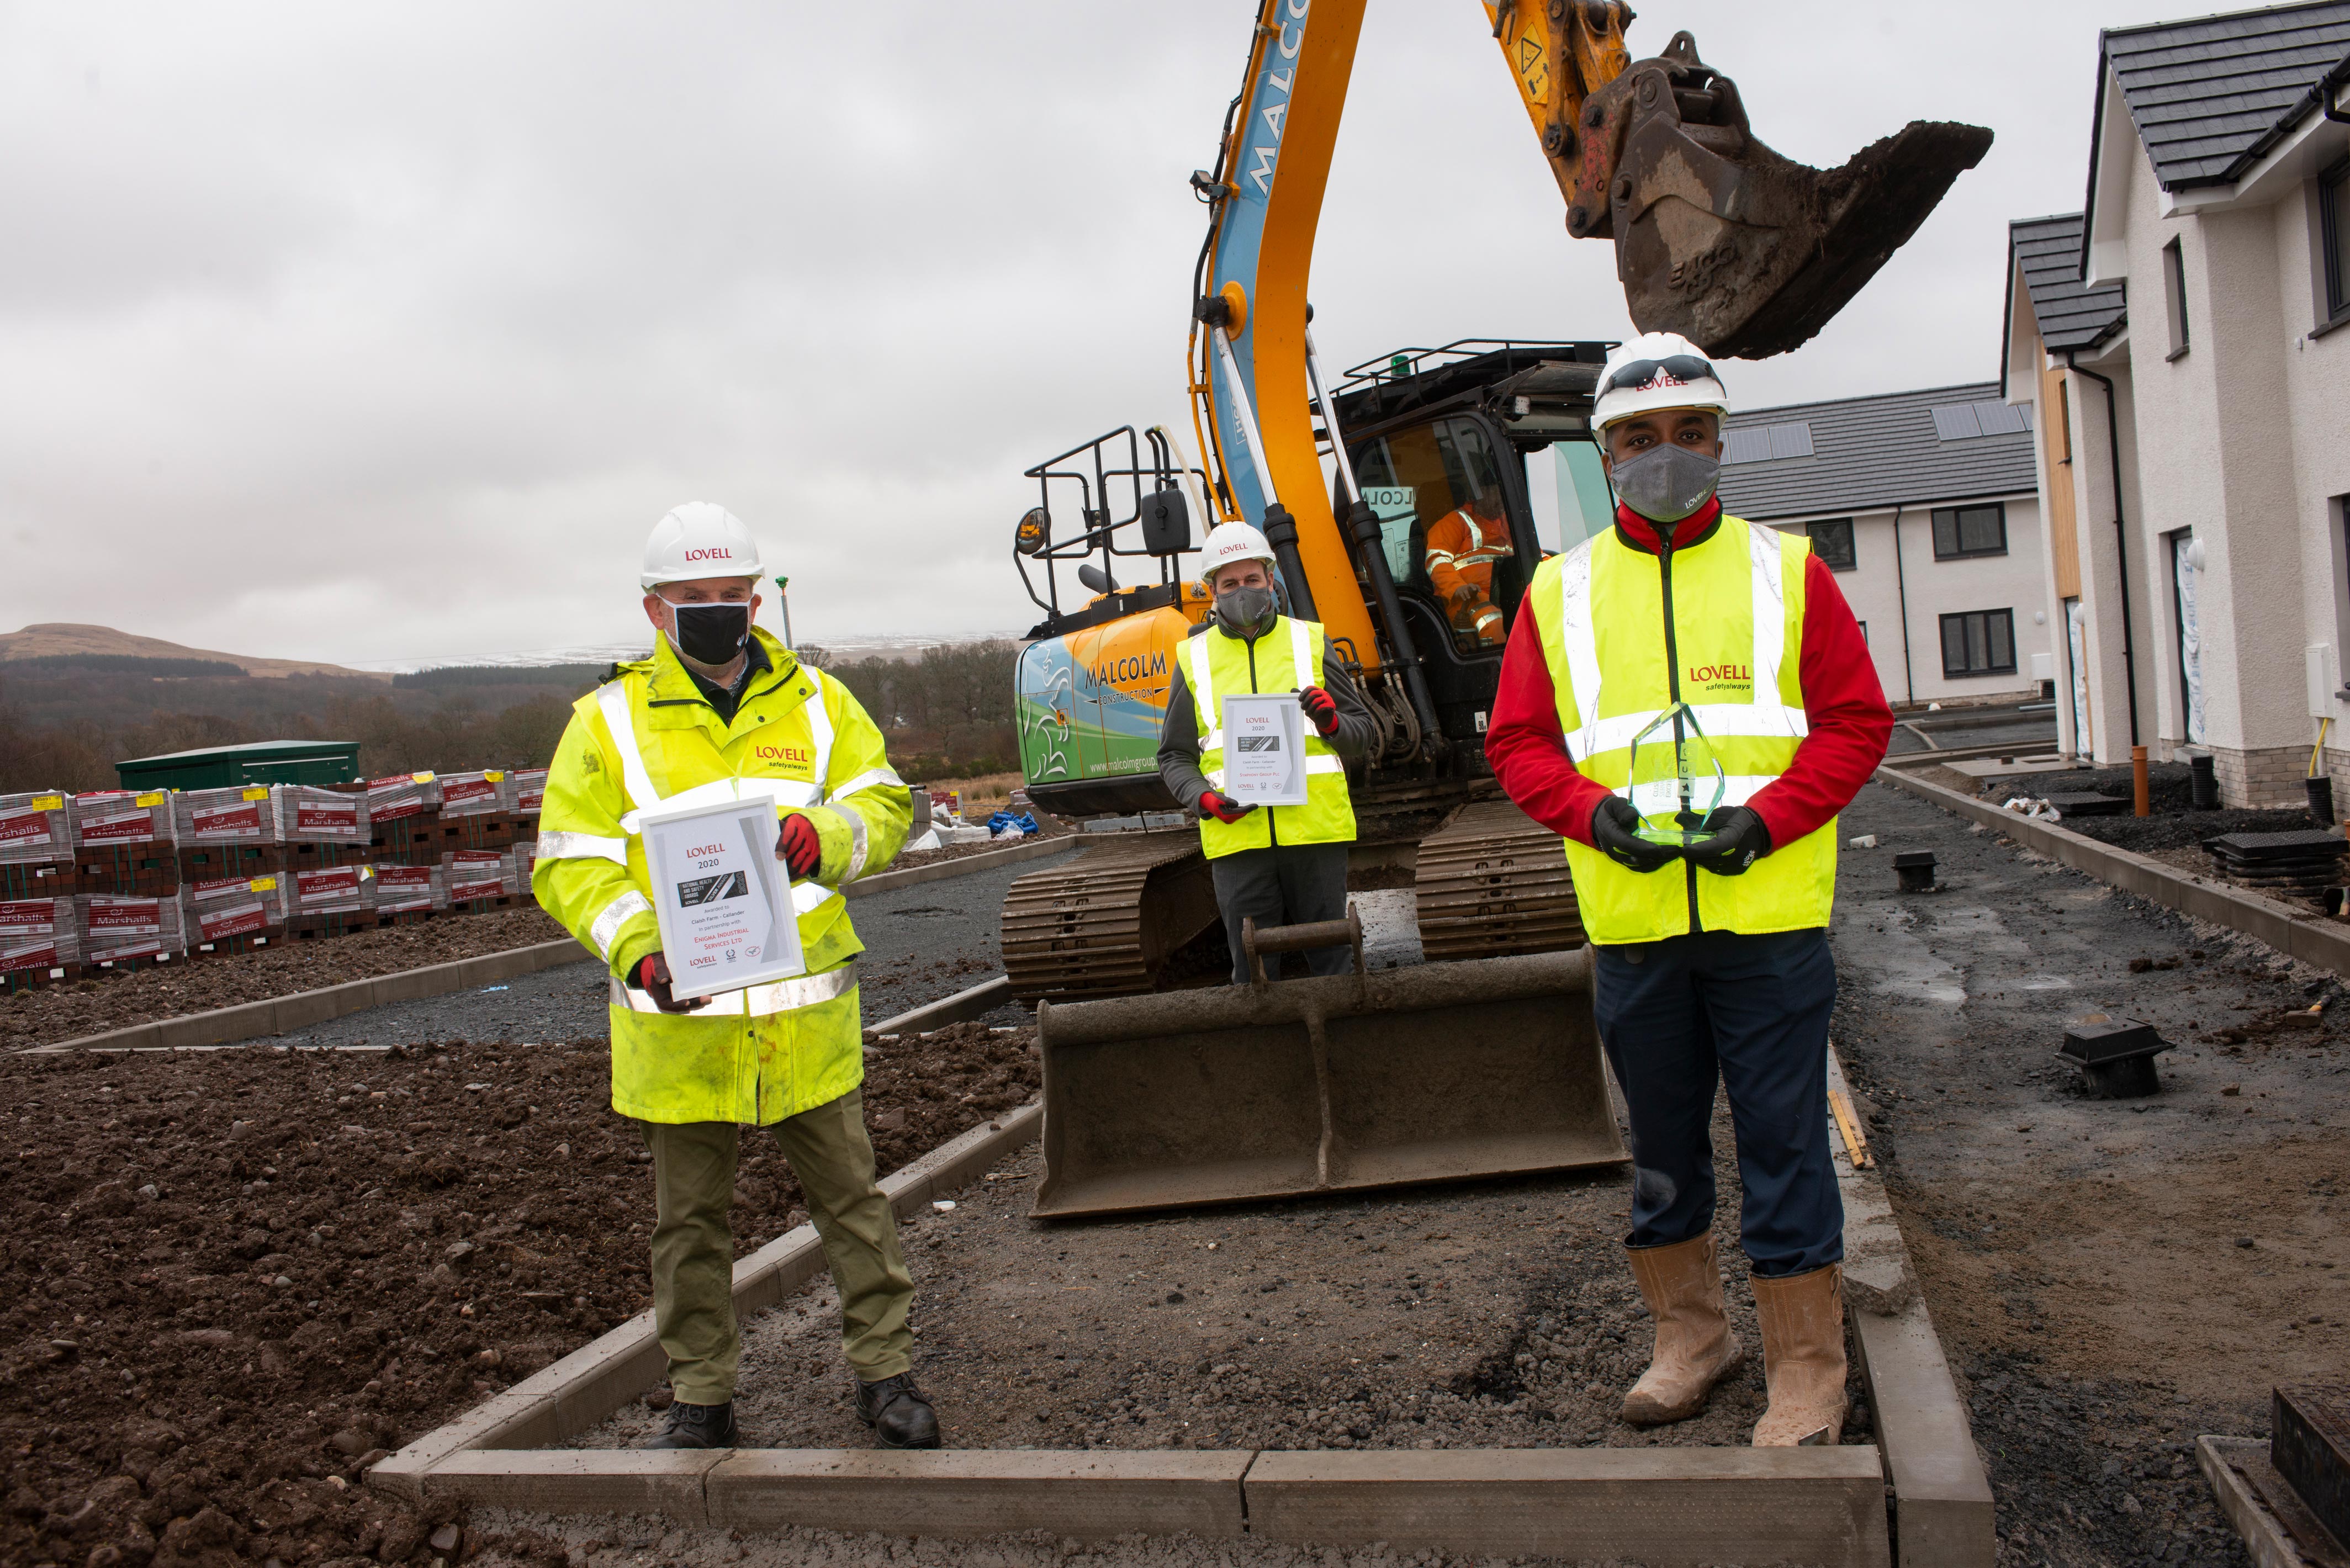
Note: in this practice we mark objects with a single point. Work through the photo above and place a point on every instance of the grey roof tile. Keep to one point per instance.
(2210, 95)
(2048, 250)
(1881, 451)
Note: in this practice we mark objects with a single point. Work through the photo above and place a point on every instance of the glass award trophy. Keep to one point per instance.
(1675, 780)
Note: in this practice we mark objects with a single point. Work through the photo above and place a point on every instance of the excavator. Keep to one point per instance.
(1469, 1062)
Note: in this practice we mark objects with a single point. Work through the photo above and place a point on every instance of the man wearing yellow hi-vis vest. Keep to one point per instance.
(1690, 703)
(1280, 865)
(722, 711)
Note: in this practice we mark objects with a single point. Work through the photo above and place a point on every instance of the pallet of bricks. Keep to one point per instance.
(231, 898)
(325, 843)
(487, 839)
(126, 870)
(36, 929)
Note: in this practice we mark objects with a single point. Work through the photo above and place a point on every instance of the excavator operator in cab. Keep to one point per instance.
(1281, 864)
(1464, 548)
(1690, 703)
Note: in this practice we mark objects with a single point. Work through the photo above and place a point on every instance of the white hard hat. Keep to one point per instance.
(699, 539)
(1230, 542)
(1657, 370)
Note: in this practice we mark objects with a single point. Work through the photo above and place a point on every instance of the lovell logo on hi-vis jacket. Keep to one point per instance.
(649, 739)
(1736, 598)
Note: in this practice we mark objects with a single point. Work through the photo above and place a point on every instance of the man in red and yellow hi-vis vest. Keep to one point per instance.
(720, 711)
(1462, 550)
(1690, 703)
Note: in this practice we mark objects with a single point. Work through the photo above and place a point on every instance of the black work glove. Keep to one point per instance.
(1737, 840)
(652, 976)
(1615, 833)
(1223, 807)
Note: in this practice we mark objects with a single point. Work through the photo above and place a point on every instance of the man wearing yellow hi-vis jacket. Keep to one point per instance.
(1279, 864)
(723, 710)
(1687, 699)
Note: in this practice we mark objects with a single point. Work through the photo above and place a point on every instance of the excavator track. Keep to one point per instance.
(1492, 882)
(1105, 923)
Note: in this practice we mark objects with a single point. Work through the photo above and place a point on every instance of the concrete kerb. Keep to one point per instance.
(2277, 1528)
(2321, 942)
(976, 1002)
(1942, 1504)
(913, 876)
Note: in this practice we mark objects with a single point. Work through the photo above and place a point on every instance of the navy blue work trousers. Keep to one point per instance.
(1754, 1010)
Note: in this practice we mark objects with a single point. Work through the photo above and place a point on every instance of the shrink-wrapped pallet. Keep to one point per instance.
(36, 826)
(409, 891)
(119, 819)
(526, 862)
(216, 910)
(398, 795)
(239, 813)
(117, 926)
(529, 786)
(307, 815)
(486, 794)
(328, 890)
(472, 874)
(38, 933)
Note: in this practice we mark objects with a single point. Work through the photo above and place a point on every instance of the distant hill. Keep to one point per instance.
(55, 639)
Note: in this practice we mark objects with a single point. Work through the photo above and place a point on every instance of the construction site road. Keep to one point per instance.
(2110, 1278)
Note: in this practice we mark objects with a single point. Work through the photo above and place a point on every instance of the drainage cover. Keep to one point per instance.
(2088, 803)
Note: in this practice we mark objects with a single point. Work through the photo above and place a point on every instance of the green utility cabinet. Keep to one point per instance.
(259, 761)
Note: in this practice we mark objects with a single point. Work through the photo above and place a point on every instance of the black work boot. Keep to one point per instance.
(898, 1413)
(695, 1426)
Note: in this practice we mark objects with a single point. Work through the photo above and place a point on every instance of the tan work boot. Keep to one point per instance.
(1695, 1348)
(1803, 1357)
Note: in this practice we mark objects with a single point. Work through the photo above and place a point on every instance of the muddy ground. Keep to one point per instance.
(238, 1276)
(2110, 1278)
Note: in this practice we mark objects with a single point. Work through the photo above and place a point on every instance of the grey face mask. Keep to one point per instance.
(1245, 613)
(1667, 483)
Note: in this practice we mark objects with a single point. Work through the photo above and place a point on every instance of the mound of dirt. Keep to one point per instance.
(242, 1275)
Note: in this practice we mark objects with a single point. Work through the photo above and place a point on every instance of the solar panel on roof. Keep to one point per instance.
(1956, 422)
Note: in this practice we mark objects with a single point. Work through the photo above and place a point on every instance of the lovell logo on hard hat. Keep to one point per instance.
(709, 553)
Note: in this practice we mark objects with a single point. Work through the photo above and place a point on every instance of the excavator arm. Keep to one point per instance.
(1717, 237)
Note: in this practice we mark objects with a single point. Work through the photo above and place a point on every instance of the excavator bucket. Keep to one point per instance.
(1724, 241)
(1433, 1073)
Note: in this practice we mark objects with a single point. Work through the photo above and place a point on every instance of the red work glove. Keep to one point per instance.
(652, 978)
(1321, 708)
(799, 847)
(1224, 808)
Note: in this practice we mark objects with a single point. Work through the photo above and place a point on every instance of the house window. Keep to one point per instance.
(1978, 642)
(2174, 295)
(1963, 531)
(1832, 543)
(2333, 224)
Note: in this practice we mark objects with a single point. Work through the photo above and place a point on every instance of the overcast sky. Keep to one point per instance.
(385, 332)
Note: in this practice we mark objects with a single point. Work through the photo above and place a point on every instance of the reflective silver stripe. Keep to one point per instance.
(613, 699)
(1441, 558)
(1579, 641)
(1324, 764)
(617, 913)
(820, 732)
(1301, 655)
(1203, 696)
(758, 1002)
(582, 846)
(1659, 796)
(856, 839)
(1770, 616)
(807, 898)
(866, 781)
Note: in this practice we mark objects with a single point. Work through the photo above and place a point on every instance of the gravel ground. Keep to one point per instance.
(2110, 1278)
(238, 1275)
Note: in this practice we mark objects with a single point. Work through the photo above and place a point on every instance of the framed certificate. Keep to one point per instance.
(1264, 749)
(723, 900)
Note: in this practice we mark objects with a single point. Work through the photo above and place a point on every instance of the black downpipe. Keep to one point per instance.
(1901, 581)
(2121, 539)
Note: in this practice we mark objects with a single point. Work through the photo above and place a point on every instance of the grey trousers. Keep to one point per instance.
(1288, 884)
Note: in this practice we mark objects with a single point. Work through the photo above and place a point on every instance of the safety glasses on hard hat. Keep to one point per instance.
(1639, 373)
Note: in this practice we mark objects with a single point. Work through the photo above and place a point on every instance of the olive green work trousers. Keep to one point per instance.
(694, 1244)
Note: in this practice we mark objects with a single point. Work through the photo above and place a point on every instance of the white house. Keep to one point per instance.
(2177, 344)
(1926, 505)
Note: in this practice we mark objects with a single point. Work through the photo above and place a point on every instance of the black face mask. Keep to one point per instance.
(710, 634)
